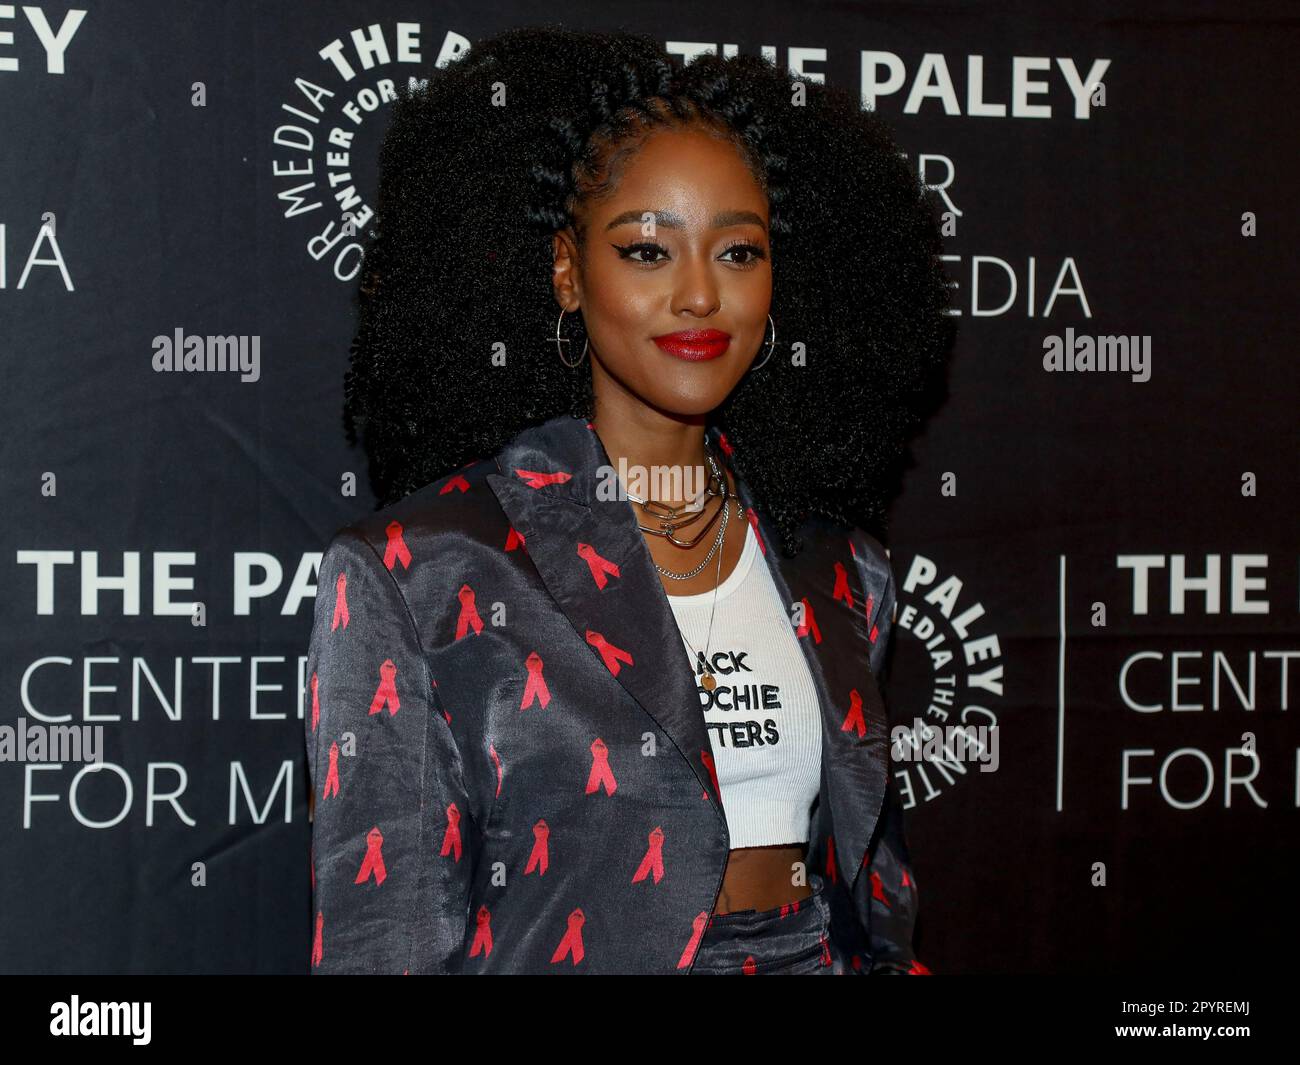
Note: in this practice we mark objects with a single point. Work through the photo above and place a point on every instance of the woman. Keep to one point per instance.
(566, 715)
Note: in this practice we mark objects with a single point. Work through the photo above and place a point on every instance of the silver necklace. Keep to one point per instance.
(666, 531)
(709, 681)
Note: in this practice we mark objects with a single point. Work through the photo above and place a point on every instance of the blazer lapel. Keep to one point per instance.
(547, 486)
(836, 644)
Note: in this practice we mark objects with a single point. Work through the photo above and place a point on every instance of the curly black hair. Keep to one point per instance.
(487, 159)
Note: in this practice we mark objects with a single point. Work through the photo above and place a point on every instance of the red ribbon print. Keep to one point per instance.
(318, 943)
(599, 566)
(451, 838)
(332, 777)
(396, 549)
(539, 857)
(572, 941)
(654, 858)
(707, 758)
(315, 703)
(387, 690)
(515, 539)
(809, 623)
(601, 775)
(340, 602)
(831, 874)
(468, 612)
(878, 889)
(748, 967)
(536, 685)
(842, 585)
(374, 860)
(693, 944)
(538, 480)
(854, 719)
(482, 934)
(458, 482)
(609, 654)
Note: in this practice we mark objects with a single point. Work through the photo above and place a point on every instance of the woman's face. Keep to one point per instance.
(674, 281)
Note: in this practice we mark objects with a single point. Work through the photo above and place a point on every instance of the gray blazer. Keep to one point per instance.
(510, 769)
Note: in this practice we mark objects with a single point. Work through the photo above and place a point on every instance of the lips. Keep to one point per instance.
(694, 345)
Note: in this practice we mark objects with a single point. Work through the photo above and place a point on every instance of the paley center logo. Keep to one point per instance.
(955, 732)
(331, 121)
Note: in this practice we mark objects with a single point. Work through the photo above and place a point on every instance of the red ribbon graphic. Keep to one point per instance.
(468, 612)
(317, 943)
(387, 690)
(496, 761)
(536, 684)
(340, 602)
(396, 549)
(748, 967)
(693, 944)
(332, 777)
(654, 858)
(878, 889)
(458, 482)
(482, 934)
(515, 539)
(809, 622)
(707, 758)
(609, 654)
(538, 480)
(854, 719)
(601, 775)
(315, 704)
(539, 857)
(830, 859)
(598, 565)
(374, 860)
(724, 444)
(842, 585)
(451, 838)
(572, 941)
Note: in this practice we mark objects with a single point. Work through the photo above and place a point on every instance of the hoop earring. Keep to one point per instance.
(561, 341)
(771, 345)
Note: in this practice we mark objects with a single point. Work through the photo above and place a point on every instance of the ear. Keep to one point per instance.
(566, 273)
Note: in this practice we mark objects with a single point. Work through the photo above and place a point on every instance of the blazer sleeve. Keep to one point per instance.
(391, 833)
(894, 895)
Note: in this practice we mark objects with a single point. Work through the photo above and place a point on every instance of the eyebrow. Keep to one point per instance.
(671, 220)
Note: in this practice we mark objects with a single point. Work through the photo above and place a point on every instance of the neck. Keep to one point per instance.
(642, 436)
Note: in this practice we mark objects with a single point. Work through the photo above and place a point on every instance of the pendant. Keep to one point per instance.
(708, 681)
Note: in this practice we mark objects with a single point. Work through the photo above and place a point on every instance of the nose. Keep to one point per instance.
(695, 287)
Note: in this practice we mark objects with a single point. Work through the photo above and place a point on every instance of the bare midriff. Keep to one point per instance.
(763, 878)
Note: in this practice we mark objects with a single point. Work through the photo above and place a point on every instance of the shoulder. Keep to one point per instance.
(461, 503)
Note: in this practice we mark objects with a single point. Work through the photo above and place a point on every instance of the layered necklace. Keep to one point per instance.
(671, 519)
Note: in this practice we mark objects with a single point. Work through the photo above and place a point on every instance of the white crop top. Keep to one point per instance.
(763, 717)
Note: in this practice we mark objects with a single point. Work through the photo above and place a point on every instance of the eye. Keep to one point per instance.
(628, 251)
(752, 253)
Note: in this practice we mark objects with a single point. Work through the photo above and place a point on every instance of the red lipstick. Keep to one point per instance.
(695, 345)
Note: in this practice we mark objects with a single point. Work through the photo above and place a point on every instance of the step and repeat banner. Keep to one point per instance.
(1096, 549)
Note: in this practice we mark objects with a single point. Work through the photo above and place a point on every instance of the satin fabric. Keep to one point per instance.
(510, 768)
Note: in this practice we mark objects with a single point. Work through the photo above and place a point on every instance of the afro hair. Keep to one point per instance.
(485, 160)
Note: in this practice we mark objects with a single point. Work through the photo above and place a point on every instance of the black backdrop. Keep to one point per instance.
(152, 181)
